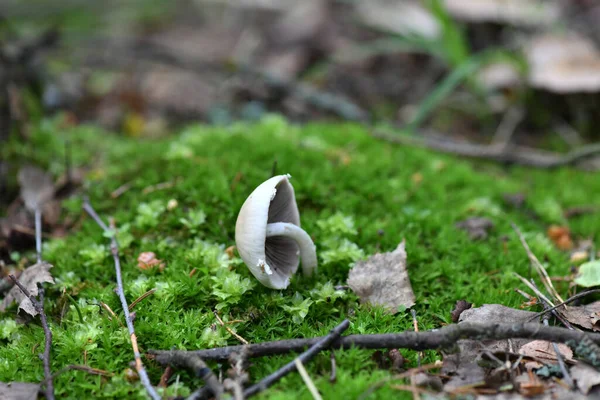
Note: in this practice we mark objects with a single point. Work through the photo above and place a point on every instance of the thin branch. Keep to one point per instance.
(444, 337)
(307, 381)
(511, 154)
(202, 371)
(39, 307)
(538, 266)
(38, 234)
(114, 249)
(333, 374)
(569, 300)
(238, 337)
(561, 362)
(321, 344)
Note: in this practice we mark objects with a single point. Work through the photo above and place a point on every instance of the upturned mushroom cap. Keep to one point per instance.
(272, 260)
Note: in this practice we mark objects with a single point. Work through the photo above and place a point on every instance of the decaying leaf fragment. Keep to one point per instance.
(586, 316)
(37, 273)
(382, 279)
(544, 350)
(463, 366)
(19, 391)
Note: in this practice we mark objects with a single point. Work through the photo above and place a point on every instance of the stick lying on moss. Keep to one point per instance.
(114, 249)
(510, 154)
(39, 306)
(445, 337)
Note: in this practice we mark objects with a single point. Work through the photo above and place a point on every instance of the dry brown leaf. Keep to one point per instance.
(19, 391)
(147, 260)
(567, 63)
(382, 279)
(561, 236)
(544, 350)
(37, 273)
(463, 366)
(36, 186)
(586, 316)
(585, 376)
(476, 227)
(401, 17)
(516, 12)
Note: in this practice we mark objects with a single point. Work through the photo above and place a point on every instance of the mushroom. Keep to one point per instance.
(268, 234)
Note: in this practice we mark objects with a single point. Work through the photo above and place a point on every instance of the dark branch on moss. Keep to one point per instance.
(510, 154)
(201, 370)
(39, 307)
(114, 249)
(322, 344)
(444, 337)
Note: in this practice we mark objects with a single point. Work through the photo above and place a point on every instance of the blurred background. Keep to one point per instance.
(485, 71)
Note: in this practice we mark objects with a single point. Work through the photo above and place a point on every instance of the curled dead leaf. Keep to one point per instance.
(147, 260)
(561, 236)
(37, 273)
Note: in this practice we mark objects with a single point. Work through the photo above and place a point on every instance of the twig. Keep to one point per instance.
(39, 307)
(444, 337)
(237, 375)
(506, 128)
(315, 348)
(541, 295)
(569, 300)
(201, 370)
(333, 375)
(142, 297)
(307, 381)
(510, 154)
(114, 249)
(416, 326)
(238, 337)
(538, 266)
(561, 362)
(121, 189)
(38, 234)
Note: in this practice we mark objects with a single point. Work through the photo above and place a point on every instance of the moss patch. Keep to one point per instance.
(356, 196)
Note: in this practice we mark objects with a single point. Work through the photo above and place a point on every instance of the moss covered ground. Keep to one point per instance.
(356, 196)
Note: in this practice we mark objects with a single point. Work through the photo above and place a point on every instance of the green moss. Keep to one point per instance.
(356, 195)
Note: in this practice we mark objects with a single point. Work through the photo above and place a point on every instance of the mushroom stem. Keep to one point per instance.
(308, 251)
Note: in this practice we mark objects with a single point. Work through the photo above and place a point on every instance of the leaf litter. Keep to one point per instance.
(30, 278)
(383, 280)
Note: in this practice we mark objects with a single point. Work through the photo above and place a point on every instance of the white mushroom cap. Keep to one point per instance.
(272, 260)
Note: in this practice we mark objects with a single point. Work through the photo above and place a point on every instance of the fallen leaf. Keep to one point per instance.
(544, 350)
(586, 316)
(476, 227)
(37, 273)
(585, 376)
(463, 366)
(579, 256)
(19, 391)
(382, 279)
(515, 200)
(561, 236)
(36, 186)
(589, 274)
(459, 307)
(147, 260)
